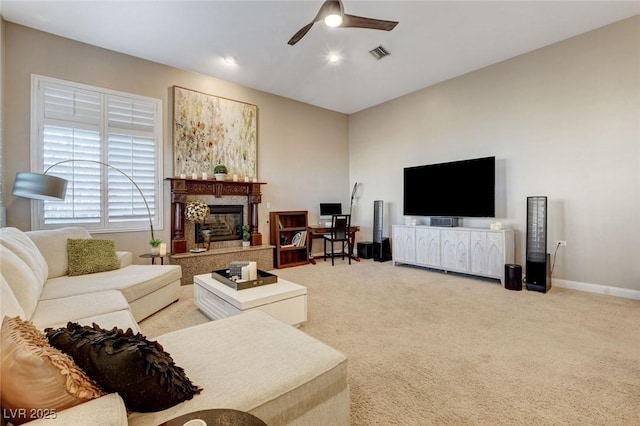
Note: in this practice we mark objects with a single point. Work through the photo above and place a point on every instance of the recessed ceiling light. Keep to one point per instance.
(231, 60)
(334, 57)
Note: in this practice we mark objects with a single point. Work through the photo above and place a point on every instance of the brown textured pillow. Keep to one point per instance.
(88, 256)
(38, 380)
(139, 370)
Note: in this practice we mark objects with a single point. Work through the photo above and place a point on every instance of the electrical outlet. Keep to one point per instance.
(561, 243)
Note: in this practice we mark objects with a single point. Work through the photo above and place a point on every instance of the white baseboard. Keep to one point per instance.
(627, 293)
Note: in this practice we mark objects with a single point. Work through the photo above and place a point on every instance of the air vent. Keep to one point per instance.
(379, 52)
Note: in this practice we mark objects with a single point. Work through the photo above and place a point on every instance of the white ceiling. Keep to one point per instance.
(434, 41)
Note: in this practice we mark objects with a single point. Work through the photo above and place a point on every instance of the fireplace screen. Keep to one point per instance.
(223, 224)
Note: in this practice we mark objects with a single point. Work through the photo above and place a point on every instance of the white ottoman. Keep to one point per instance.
(255, 363)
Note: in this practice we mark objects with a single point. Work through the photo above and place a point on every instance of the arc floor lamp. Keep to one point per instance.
(41, 186)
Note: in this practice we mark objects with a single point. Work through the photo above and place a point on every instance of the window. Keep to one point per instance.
(86, 124)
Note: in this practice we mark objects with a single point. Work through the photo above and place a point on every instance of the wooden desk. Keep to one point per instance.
(317, 231)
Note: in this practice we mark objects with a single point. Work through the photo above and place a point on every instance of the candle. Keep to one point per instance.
(253, 271)
(255, 179)
(163, 249)
(204, 175)
(245, 273)
(235, 178)
(183, 176)
(246, 178)
(194, 176)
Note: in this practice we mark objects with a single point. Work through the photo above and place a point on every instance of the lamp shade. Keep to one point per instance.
(39, 186)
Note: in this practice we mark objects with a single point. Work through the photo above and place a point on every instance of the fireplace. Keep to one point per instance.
(182, 188)
(223, 224)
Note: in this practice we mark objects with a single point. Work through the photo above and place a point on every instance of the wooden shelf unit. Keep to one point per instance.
(283, 227)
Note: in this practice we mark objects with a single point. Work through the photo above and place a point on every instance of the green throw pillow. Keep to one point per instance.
(145, 376)
(88, 256)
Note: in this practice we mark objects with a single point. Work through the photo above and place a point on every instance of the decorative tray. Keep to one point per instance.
(222, 275)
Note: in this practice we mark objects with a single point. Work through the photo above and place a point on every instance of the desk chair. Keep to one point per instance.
(340, 225)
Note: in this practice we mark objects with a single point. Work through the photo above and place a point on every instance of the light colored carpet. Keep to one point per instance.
(431, 348)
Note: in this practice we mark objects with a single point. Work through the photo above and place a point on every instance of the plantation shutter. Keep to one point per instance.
(79, 122)
(131, 148)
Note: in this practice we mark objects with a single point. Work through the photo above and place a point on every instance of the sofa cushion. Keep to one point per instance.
(88, 256)
(36, 377)
(134, 281)
(74, 308)
(52, 243)
(108, 410)
(254, 363)
(20, 244)
(139, 370)
(125, 258)
(26, 287)
(9, 305)
(120, 319)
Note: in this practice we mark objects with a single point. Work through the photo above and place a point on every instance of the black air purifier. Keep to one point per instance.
(538, 274)
(513, 277)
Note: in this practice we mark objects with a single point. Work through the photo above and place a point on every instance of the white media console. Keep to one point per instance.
(473, 251)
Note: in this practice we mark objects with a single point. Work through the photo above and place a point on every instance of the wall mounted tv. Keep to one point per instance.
(456, 189)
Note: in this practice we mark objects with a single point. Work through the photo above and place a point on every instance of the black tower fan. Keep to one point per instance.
(381, 246)
(538, 276)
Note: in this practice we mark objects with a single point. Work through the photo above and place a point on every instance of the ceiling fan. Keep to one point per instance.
(333, 15)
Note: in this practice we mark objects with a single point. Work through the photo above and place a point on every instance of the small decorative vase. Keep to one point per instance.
(246, 244)
(220, 176)
(154, 250)
(206, 238)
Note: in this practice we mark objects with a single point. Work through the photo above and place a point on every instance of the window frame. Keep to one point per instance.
(38, 82)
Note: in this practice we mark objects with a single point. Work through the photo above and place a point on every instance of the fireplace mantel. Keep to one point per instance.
(181, 188)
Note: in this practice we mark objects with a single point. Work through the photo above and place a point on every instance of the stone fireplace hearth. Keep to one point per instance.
(247, 195)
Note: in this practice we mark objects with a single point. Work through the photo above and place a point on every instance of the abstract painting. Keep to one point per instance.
(210, 130)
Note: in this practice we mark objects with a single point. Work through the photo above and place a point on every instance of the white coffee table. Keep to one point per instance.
(283, 300)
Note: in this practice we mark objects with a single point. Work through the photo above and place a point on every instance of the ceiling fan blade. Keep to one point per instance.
(327, 7)
(335, 7)
(301, 33)
(373, 24)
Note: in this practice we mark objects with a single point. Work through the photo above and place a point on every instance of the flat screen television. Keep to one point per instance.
(455, 189)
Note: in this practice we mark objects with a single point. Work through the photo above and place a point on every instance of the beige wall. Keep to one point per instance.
(302, 150)
(562, 121)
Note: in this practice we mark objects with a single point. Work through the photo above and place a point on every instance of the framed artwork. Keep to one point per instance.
(210, 130)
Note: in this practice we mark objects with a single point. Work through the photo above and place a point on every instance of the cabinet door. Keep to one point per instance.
(428, 252)
(487, 253)
(404, 249)
(479, 252)
(455, 250)
(495, 254)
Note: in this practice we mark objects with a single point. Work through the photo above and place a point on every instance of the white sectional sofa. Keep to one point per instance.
(34, 264)
(250, 362)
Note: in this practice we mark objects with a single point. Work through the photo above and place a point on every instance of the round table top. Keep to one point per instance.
(150, 255)
(217, 417)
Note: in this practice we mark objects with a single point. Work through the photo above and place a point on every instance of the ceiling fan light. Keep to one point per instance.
(231, 60)
(333, 20)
